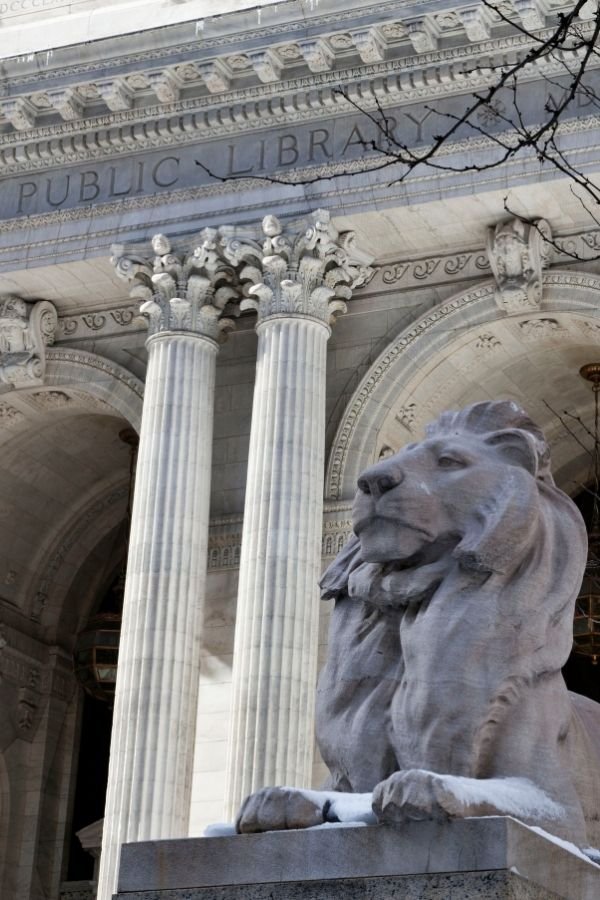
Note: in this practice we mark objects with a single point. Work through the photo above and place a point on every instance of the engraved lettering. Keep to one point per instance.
(288, 144)
(140, 178)
(54, 201)
(261, 157)
(89, 182)
(27, 189)
(113, 192)
(231, 170)
(165, 181)
(386, 137)
(320, 142)
(355, 139)
(419, 122)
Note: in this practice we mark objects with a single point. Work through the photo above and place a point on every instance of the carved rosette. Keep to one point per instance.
(518, 251)
(26, 329)
(195, 291)
(310, 271)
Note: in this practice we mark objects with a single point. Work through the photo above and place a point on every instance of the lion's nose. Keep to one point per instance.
(376, 482)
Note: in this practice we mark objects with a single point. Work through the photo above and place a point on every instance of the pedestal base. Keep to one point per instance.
(495, 857)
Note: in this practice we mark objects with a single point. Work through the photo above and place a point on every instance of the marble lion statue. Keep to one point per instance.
(442, 695)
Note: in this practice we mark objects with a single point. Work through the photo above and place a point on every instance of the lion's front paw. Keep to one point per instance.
(408, 795)
(275, 809)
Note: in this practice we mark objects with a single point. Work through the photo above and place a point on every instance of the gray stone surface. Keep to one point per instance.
(466, 886)
(491, 857)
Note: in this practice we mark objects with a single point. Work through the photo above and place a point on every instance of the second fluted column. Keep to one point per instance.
(307, 274)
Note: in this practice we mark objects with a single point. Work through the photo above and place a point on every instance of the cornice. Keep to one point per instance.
(237, 102)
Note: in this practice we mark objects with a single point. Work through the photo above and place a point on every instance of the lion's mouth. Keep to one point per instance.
(377, 522)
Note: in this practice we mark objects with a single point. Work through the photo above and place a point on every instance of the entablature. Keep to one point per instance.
(184, 85)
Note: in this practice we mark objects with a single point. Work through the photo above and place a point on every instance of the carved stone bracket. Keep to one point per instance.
(310, 269)
(518, 251)
(182, 291)
(26, 329)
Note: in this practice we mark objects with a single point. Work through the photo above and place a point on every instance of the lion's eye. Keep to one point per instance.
(450, 462)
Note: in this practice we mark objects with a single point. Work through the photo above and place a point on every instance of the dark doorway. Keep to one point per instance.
(581, 675)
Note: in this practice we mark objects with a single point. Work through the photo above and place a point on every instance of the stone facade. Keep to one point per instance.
(162, 138)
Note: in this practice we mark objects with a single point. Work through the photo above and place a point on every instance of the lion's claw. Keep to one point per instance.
(275, 809)
(409, 795)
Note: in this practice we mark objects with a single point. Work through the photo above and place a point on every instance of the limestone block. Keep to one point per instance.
(486, 858)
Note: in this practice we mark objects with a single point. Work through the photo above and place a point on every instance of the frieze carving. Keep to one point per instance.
(517, 252)
(49, 399)
(225, 536)
(310, 269)
(194, 291)
(33, 672)
(532, 329)
(26, 329)
(406, 415)
(107, 322)
(9, 416)
(487, 342)
(26, 707)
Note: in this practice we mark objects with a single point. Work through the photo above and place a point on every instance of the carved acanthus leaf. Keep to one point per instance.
(517, 252)
(309, 269)
(182, 290)
(26, 329)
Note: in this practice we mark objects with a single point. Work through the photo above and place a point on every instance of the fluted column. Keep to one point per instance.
(150, 772)
(306, 276)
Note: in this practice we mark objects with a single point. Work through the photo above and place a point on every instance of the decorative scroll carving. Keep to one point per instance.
(186, 291)
(309, 271)
(518, 251)
(26, 329)
(115, 93)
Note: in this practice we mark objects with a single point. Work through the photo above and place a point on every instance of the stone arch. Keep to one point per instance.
(569, 315)
(102, 379)
(58, 564)
(63, 486)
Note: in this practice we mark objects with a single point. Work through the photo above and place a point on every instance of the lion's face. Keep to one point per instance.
(438, 491)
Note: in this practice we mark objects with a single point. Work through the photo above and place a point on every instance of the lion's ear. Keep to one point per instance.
(502, 533)
(516, 448)
(334, 580)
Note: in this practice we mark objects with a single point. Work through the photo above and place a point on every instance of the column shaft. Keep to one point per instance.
(277, 617)
(149, 782)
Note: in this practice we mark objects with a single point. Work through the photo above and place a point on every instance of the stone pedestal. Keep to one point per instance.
(494, 857)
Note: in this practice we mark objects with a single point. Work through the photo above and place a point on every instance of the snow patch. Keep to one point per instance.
(516, 797)
(220, 829)
(567, 845)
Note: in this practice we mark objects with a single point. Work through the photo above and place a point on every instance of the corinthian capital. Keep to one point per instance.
(517, 252)
(26, 329)
(309, 269)
(193, 290)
